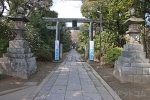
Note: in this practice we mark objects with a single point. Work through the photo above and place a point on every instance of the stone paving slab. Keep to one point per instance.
(74, 87)
(73, 95)
(92, 96)
(73, 80)
(55, 97)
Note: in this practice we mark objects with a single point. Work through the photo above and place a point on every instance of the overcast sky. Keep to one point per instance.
(67, 9)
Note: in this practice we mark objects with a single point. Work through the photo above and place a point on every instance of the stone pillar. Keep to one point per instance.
(86, 49)
(18, 61)
(61, 51)
(91, 31)
(57, 30)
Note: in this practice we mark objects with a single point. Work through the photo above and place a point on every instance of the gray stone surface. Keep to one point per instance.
(92, 96)
(18, 61)
(132, 64)
(55, 97)
(73, 95)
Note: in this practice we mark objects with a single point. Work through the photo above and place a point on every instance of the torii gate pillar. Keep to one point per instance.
(57, 42)
(91, 42)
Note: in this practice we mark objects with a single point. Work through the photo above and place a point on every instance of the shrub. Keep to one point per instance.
(112, 54)
(97, 55)
(43, 55)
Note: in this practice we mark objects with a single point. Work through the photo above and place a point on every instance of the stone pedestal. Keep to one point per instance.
(132, 65)
(18, 61)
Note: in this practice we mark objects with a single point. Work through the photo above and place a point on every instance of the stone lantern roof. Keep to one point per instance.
(20, 16)
(134, 20)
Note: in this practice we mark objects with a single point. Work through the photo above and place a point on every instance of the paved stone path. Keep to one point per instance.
(74, 80)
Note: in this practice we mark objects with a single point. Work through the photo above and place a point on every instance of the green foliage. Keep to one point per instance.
(114, 14)
(97, 43)
(65, 40)
(112, 54)
(83, 38)
(43, 55)
(3, 46)
(6, 35)
(97, 54)
(109, 39)
(37, 34)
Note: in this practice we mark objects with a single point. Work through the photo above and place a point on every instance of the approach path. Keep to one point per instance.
(72, 80)
(75, 80)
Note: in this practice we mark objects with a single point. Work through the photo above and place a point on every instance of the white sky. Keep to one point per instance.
(67, 9)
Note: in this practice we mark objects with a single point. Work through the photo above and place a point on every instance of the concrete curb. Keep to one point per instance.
(111, 91)
(13, 90)
(35, 92)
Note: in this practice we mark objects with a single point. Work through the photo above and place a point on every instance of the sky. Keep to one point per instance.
(67, 9)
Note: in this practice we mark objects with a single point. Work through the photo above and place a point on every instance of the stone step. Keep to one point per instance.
(132, 60)
(132, 54)
(19, 50)
(23, 60)
(145, 65)
(21, 56)
(133, 47)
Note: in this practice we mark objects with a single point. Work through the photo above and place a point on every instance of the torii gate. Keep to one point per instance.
(74, 21)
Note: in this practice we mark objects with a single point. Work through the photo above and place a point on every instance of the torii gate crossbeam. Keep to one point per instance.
(72, 28)
(79, 20)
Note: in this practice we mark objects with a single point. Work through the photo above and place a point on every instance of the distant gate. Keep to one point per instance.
(74, 27)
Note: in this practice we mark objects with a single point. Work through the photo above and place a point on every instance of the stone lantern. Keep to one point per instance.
(18, 61)
(133, 23)
(132, 65)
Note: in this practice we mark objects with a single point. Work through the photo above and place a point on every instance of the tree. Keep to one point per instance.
(115, 12)
(6, 34)
(65, 40)
(83, 38)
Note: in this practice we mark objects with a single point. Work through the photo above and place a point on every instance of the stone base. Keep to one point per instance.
(18, 61)
(22, 68)
(132, 65)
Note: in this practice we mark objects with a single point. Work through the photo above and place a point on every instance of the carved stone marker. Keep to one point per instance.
(18, 61)
(132, 65)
